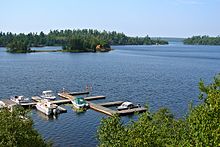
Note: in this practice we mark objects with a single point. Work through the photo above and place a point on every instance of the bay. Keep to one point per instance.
(161, 76)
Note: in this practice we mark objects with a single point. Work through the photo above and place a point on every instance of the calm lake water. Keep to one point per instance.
(162, 76)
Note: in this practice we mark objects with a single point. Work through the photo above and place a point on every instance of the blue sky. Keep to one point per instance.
(167, 18)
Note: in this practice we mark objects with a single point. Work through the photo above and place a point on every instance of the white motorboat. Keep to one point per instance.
(127, 105)
(20, 99)
(48, 94)
(79, 102)
(47, 107)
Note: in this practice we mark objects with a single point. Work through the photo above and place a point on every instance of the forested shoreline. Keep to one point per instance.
(85, 40)
(202, 40)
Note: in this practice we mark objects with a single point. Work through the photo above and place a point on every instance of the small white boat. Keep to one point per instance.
(20, 99)
(48, 94)
(47, 107)
(80, 103)
(127, 105)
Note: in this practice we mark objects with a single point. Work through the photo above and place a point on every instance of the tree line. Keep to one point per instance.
(200, 127)
(71, 40)
(202, 40)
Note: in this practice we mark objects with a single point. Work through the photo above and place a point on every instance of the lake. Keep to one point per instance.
(161, 76)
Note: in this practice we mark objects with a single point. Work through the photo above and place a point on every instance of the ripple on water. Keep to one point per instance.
(162, 76)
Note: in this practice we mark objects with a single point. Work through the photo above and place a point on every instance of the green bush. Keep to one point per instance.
(201, 127)
(16, 129)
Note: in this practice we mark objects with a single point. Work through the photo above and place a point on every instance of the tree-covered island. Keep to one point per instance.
(85, 40)
(202, 40)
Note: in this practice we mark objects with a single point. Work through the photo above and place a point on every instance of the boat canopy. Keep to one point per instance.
(80, 100)
(47, 91)
(127, 103)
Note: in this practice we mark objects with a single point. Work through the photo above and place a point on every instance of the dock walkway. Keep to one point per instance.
(94, 98)
(109, 104)
(79, 93)
(67, 95)
(130, 111)
(102, 109)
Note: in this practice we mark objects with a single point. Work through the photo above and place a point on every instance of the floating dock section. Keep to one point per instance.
(131, 111)
(10, 103)
(7, 103)
(109, 104)
(79, 93)
(102, 107)
(67, 95)
(60, 102)
(94, 98)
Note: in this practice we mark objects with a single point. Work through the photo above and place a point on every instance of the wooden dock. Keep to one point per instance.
(79, 93)
(102, 109)
(28, 104)
(7, 103)
(109, 104)
(131, 111)
(67, 95)
(60, 102)
(94, 98)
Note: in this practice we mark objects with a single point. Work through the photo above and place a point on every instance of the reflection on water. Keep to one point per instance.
(47, 117)
(78, 111)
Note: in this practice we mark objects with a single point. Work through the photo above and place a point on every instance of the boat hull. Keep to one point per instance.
(49, 98)
(44, 110)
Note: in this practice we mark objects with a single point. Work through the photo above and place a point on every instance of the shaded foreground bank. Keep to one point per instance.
(199, 128)
(16, 129)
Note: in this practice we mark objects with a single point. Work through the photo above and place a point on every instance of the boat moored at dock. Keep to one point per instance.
(20, 99)
(47, 107)
(80, 103)
(48, 94)
(127, 105)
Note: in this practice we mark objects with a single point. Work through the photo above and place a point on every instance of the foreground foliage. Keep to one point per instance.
(17, 130)
(201, 127)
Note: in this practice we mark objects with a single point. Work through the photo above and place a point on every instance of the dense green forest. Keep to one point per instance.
(202, 40)
(200, 127)
(72, 40)
(16, 129)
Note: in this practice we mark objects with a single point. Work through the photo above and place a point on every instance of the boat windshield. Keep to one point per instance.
(48, 93)
(81, 101)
